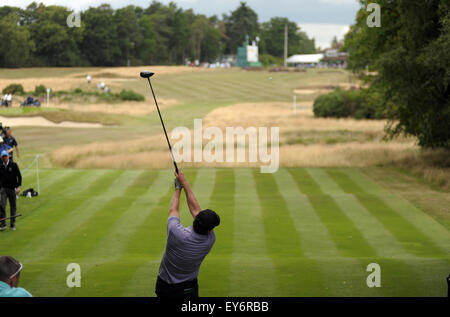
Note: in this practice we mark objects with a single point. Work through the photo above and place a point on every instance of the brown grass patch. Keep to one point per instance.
(126, 108)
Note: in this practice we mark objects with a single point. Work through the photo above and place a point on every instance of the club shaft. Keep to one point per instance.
(164, 127)
(3, 219)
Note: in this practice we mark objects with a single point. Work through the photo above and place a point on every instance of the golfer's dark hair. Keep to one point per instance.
(198, 228)
(205, 221)
(8, 266)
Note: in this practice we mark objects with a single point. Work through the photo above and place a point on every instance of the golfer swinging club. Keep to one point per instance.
(186, 247)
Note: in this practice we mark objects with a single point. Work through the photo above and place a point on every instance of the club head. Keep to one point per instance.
(147, 74)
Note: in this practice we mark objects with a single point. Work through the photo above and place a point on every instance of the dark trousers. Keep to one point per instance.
(183, 290)
(10, 194)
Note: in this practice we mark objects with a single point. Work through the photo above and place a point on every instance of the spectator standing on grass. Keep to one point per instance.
(186, 247)
(12, 143)
(88, 78)
(11, 181)
(9, 100)
(10, 270)
(5, 147)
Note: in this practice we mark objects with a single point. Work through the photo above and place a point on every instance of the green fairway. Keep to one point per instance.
(298, 232)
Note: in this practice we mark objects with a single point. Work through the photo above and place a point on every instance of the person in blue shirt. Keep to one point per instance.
(10, 270)
(5, 147)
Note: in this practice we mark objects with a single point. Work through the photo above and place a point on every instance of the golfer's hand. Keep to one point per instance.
(17, 190)
(180, 177)
(178, 184)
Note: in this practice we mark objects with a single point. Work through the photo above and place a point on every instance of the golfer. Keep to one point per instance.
(186, 247)
(11, 180)
(10, 270)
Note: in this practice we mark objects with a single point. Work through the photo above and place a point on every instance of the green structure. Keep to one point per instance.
(248, 55)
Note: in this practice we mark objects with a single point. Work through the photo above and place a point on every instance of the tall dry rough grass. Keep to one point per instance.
(151, 152)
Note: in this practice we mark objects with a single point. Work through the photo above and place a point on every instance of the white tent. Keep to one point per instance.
(305, 59)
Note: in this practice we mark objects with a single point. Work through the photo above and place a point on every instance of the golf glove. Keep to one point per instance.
(178, 184)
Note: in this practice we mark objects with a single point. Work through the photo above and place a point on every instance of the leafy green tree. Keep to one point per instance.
(272, 38)
(242, 22)
(16, 45)
(56, 44)
(146, 46)
(127, 29)
(100, 44)
(409, 54)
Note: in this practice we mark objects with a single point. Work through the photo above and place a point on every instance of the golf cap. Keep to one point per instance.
(1, 139)
(4, 153)
(207, 220)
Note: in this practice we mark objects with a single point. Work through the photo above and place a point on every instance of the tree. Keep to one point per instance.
(127, 30)
(56, 44)
(409, 52)
(242, 22)
(16, 46)
(272, 38)
(100, 45)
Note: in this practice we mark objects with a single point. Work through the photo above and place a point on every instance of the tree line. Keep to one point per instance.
(406, 61)
(159, 34)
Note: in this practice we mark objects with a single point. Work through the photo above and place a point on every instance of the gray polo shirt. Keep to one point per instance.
(185, 251)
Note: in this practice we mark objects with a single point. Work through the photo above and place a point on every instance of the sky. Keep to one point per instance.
(321, 19)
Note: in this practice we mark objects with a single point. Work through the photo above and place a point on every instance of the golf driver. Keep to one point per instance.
(148, 74)
(18, 215)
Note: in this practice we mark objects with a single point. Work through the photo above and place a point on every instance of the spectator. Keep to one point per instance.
(9, 100)
(11, 181)
(5, 147)
(88, 78)
(12, 143)
(10, 270)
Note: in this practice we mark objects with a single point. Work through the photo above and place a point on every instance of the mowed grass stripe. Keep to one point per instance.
(85, 236)
(315, 238)
(392, 256)
(82, 238)
(111, 278)
(428, 226)
(410, 237)
(41, 212)
(297, 275)
(49, 184)
(348, 239)
(148, 244)
(345, 276)
(214, 276)
(107, 267)
(65, 216)
(252, 270)
(374, 231)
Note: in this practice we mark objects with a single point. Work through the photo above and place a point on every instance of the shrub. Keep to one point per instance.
(131, 96)
(40, 90)
(359, 104)
(15, 89)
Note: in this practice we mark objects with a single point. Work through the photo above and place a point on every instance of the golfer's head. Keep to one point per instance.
(8, 131)
(206, 221)
(10, 270)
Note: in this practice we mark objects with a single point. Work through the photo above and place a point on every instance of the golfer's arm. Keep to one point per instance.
(17, 151)
(175, 204)
(194, 206)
